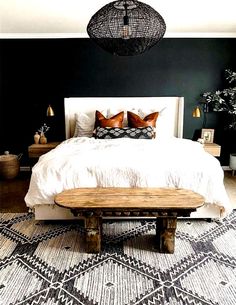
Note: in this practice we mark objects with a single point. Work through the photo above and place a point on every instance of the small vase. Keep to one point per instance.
(36, 138)
(43, 139)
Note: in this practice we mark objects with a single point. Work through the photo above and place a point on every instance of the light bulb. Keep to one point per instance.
(126, 31)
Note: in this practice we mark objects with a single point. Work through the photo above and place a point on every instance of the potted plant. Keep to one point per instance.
(225, 101)
(43, 129)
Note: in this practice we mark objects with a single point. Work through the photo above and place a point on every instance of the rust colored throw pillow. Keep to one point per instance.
(114, 121)
(135, 121)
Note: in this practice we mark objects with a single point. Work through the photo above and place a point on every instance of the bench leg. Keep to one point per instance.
(165, 232)
(93, 227)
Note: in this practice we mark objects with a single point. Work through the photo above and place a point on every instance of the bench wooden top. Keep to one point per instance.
(133, 198)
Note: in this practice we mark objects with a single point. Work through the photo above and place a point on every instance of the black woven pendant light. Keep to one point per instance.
(126, 27)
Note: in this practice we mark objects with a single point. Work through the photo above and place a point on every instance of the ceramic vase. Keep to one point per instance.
(36, 138)
(43, 139)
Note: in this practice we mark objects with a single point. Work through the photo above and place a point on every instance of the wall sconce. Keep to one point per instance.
(196, 112)
(50, 111)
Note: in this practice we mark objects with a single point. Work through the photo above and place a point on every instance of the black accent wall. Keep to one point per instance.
(36, 72)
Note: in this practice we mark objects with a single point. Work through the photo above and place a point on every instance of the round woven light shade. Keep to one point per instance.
(108, 27)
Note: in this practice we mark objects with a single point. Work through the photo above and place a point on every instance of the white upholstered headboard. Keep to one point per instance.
(170, 118)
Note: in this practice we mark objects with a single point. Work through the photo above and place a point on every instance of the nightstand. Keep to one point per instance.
(37, 150)
(212, 148)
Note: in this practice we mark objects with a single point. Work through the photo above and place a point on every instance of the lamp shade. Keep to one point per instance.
(126, 27)
(196, 112)
(50, 111)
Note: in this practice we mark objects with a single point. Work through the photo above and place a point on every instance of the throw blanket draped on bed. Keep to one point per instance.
(88, 162)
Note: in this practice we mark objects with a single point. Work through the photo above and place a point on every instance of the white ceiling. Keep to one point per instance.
(69, 18)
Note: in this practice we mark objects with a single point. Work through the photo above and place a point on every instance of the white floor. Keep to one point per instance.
(230, 185)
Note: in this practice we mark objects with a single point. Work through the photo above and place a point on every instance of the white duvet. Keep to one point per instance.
(88, 162)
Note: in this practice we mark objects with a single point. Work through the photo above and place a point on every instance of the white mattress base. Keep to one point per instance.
(54, 212)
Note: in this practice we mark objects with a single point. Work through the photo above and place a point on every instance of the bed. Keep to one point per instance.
(166, 161)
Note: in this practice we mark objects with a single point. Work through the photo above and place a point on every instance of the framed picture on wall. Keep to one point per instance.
(207, 135)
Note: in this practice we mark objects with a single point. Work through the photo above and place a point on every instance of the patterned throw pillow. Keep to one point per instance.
(126, 132)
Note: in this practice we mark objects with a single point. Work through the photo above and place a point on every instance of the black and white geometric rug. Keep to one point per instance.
(45, 263)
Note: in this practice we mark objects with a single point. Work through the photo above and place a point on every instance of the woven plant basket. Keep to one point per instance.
(9, 166)
(232, 161)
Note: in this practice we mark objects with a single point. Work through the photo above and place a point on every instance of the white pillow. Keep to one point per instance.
(162, 125)
(84, 123)
(113, 111)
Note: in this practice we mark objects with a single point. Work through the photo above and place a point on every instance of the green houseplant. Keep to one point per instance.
(224, 100)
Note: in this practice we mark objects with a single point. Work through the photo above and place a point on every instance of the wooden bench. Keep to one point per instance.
(165, 204)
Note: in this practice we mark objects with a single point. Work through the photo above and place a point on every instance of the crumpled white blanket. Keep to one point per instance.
(89, 162)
